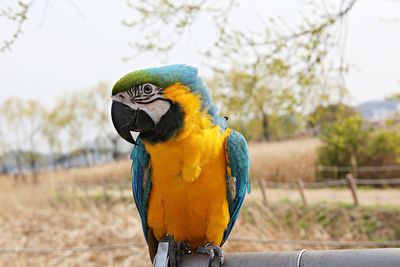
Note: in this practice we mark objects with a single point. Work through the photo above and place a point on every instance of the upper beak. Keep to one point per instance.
(126, 120)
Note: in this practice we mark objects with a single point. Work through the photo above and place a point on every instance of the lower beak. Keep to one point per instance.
(127, 120)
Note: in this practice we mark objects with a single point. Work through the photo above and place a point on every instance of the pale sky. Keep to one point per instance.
(63, 49)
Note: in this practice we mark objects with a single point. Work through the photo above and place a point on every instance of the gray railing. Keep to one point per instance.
(389, 257)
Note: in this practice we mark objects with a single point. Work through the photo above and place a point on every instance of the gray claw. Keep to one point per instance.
(212, 250)
(173, 253)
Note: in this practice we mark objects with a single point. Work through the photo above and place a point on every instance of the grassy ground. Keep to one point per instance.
(284, 161)
(38, 216)
(366, 196)
(86, 222)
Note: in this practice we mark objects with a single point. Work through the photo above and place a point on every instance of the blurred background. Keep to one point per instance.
(313, 85)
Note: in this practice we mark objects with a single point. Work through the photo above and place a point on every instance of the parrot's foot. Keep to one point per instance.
(212, 250)
(175, 250)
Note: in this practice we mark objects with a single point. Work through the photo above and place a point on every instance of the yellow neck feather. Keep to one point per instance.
(195, 118)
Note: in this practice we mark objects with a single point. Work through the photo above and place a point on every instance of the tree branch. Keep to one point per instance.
(19, 15)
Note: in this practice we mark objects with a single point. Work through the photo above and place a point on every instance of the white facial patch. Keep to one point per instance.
(155, 109)
(146, 97)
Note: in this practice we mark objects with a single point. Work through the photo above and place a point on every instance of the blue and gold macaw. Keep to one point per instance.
(190, 172)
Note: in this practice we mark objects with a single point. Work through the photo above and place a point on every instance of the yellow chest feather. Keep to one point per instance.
(188, 194)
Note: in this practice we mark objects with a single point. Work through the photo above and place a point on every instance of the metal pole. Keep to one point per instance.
(389, 257)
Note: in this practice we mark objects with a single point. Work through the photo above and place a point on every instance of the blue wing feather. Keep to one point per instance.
(239, 165)
(141, 182)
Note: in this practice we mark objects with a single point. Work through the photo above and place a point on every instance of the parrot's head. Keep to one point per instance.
(156, 102)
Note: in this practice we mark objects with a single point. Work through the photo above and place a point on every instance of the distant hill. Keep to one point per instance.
(379, 110)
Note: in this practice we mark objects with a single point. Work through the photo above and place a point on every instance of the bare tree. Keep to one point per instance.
(98, 110)
(23, 120)
(52, 129)
(32, 113)
(11, 109)
(270, 68)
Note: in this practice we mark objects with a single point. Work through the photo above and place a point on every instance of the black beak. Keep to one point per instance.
(126, 119)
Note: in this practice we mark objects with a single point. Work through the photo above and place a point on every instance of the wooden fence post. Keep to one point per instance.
(300, 187)
(353, 187)
(354, 165)
(262, 188)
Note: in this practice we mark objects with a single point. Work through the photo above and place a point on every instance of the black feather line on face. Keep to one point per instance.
(151, 101)
(141, 97)
(169, 125)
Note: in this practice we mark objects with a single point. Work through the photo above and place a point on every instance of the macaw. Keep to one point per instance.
(190, 172)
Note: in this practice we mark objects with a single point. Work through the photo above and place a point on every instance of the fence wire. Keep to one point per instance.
(332, 183)
(98, 248)
(360, 168)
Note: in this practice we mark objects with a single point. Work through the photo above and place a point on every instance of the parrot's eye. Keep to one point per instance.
(147, 89)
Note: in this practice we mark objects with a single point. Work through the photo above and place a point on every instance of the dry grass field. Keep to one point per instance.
(36, 216)
(284, 161)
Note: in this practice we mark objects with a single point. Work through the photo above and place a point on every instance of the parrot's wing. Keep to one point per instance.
(141, 184)
(237, 176)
